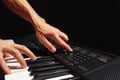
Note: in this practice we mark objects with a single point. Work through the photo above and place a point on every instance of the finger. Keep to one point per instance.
(7, 55)
(61, 43)
(25, 51)
(4, 66)
(46, 43)
(16, 53)
(63, 36)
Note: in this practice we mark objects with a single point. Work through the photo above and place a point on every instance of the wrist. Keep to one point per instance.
(38, 23)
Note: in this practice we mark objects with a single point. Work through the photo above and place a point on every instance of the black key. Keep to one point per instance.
(39, 60)
(38, 77)
(42, 63)
(32, 67)
(48, 72)
(47, 67)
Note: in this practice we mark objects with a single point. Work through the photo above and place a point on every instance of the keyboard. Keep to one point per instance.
(82, 61)
(43, 68)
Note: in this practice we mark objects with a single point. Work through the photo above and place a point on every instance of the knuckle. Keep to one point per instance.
(51, 34)
(42, 41)
(50, 46)
(61, 43)
(1, 59)
(14, 51)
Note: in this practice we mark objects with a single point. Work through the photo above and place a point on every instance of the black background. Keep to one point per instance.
(92, 23)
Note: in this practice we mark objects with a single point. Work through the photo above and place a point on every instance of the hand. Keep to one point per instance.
(7, 48)
(45, 31)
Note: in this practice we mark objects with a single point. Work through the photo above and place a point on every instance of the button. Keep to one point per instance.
(83, 51)
(92, 54)
(103, 58)
(76, 48)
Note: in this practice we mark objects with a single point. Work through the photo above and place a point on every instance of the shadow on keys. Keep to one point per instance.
(1, 75)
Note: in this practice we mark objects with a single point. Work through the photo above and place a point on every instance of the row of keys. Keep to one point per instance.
(47, 67)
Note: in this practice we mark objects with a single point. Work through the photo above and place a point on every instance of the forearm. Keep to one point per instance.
(24, 9)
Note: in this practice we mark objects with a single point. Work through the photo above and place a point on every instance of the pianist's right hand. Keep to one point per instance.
(7, 48)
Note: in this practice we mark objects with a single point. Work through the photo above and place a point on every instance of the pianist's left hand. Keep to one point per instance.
(7, 48)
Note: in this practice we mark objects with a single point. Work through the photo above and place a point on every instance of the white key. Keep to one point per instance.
(61, 77)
